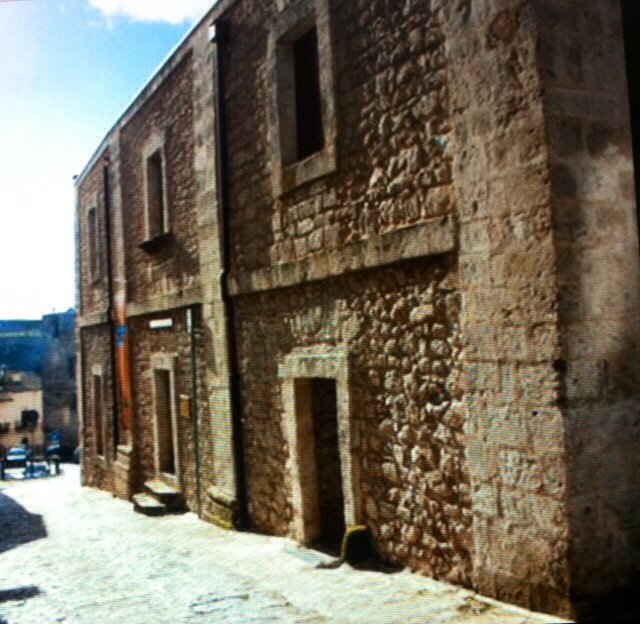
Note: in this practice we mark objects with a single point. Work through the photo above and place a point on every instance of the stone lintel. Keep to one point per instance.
(434, 237)
(169, 301)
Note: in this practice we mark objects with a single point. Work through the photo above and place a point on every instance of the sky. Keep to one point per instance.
(68, 69)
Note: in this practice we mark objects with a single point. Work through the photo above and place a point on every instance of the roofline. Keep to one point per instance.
(145, 91)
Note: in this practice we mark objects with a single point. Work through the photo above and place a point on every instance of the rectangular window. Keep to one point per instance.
(156, 208)
(309, 132)
(94, 247)
(98, 420)
(302, 119)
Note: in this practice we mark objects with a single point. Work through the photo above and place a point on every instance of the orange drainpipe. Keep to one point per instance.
(123, 366)
(117, 315)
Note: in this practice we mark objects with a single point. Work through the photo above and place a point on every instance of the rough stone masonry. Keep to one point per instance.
(455, 261)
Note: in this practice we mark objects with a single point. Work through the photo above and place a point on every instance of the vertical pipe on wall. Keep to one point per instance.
(79, 382)
(110, 313)
(193, 321)
(218, 35)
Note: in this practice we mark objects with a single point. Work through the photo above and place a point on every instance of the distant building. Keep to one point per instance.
(19, 392)
(22, 345)
(58, 378)
(45, 349)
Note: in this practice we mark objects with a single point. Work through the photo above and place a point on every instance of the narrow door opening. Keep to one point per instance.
(324, 409)
(166, 453)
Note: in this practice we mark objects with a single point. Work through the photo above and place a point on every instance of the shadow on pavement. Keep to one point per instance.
(19, 526)
(19, 593)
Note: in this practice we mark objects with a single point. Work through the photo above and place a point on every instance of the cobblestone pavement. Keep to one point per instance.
(79, 556)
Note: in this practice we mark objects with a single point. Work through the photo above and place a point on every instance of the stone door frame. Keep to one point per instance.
(296, 371)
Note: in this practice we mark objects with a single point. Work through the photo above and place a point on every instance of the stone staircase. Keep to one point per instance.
(158, 499)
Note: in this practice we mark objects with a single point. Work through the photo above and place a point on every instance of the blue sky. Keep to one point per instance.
(68, 68)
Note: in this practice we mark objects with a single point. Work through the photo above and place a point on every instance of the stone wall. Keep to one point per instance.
(401, 328)
(168, 112)
(393, 128)
(594, 210)
(515, 435)
(174, 342)
(95, 356)
(93, 292)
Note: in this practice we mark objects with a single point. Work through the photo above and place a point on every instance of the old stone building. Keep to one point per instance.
(376, 263)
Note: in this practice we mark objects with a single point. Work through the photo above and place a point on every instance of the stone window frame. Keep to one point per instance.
(156, 146)
(165, 362)
(303, 365)
(290, 24)
(97, 372)
(94, 248)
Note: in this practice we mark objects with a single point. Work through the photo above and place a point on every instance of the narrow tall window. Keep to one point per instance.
(156, 217)
(98, 421)
(94, 249)
(164, 422)
(309, 131)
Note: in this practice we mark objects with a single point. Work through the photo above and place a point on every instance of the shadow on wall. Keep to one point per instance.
(598, 393)
(19, 526)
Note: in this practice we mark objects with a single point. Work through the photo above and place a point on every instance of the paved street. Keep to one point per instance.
(74, 555)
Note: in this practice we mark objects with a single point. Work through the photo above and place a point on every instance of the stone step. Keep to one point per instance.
(168, 495)
(147, 505)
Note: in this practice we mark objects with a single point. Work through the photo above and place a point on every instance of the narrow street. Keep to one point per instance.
(79, 556)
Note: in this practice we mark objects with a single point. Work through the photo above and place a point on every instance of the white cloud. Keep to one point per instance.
(171, 11)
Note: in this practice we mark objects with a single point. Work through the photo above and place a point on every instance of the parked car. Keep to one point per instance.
(17, 456)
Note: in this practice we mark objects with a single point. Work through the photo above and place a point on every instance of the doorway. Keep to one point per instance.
(164, 422)
(326, 451)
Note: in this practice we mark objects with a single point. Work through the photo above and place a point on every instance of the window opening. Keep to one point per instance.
(309, 131)
(155, 195)
(94, 264)
(166, 453)
(97, 414)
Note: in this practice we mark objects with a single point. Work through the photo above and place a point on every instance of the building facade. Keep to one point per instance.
(376, 263)
(19, 393)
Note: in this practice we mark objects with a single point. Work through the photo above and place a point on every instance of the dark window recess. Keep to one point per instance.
(97, 414)
(155, 195)
(93, 243)
(309, 132)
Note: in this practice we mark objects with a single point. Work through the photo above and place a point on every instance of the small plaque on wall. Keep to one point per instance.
(185, 406)
(164, 323)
